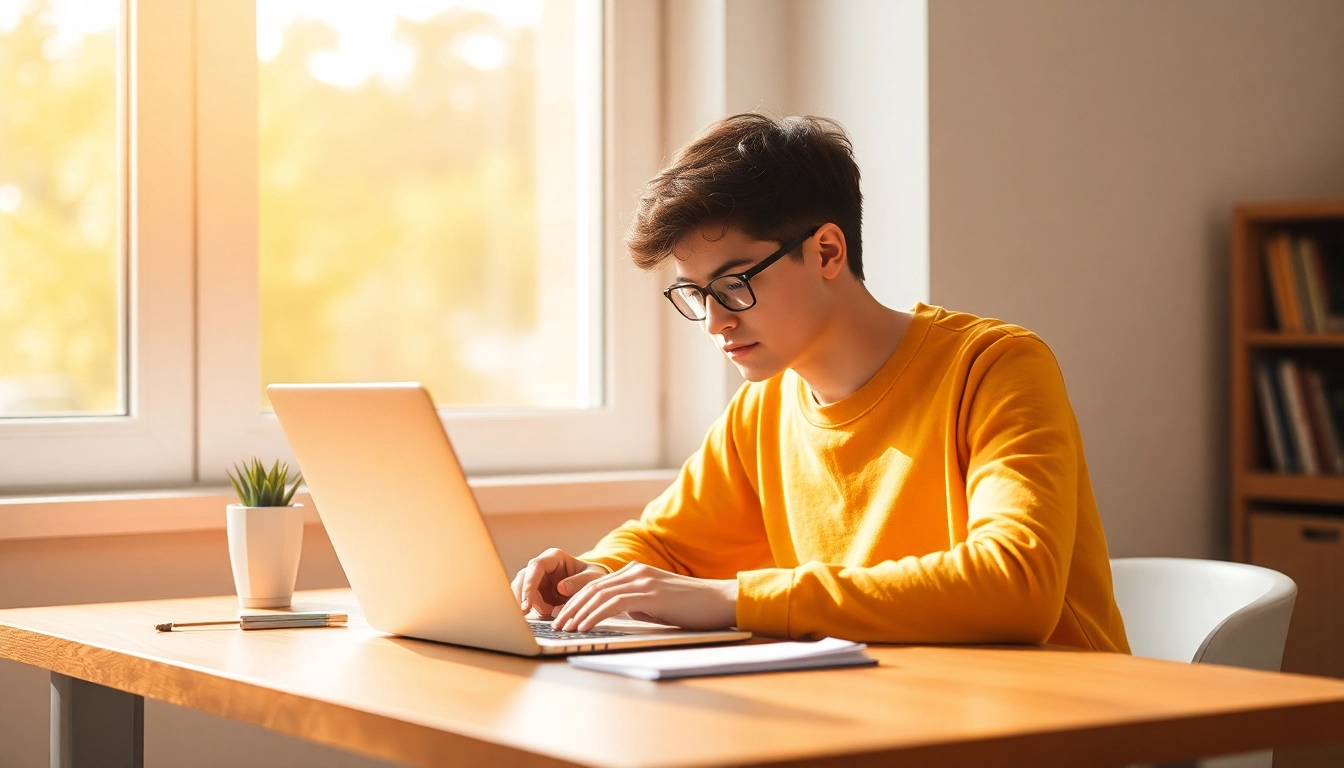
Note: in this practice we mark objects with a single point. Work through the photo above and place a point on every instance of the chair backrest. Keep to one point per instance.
(1204, 611)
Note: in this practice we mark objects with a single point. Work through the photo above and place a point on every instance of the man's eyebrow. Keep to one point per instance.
(729, 267)
(722, 270)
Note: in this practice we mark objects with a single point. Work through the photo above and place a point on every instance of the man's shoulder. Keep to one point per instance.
(975, 327)
(978, 345)
(964, 340)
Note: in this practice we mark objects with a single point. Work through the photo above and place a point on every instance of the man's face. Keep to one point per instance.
(778, 331)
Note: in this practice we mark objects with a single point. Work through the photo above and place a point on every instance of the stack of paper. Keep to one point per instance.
(728, 660)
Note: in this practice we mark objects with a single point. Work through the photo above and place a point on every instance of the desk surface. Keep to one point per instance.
(431, 704)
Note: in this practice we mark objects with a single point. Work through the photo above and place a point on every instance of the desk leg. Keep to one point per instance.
(93, 725)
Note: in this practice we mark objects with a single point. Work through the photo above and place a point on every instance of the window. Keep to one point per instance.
(460, 220)
(143, 433)
(61, 293)
(418, 190)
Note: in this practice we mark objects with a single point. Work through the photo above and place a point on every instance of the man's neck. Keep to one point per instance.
(860, 339)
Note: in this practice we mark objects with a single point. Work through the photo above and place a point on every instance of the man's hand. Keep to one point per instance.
(646, 592)
(551, 578)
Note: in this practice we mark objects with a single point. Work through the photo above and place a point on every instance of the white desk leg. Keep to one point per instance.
(93, 725)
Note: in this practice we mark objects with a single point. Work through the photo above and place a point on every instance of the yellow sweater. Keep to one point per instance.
(947, 501)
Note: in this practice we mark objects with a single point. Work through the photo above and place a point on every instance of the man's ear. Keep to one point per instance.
(834, 254)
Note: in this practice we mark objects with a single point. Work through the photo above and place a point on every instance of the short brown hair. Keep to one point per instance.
(769, 178)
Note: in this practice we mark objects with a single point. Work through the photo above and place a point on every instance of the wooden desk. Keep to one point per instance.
(431, 704)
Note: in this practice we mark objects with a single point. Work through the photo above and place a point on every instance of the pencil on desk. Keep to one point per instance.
(267, 621)
(169, 626)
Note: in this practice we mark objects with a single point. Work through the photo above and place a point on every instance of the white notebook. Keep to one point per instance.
(728, 660)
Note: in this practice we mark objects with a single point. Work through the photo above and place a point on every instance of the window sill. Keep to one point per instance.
(201, 509)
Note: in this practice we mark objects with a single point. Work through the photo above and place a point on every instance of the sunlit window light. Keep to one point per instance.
(482, 51)
(366, 34)
(60, 261)
(74, 20)
(449, 222)
(11, 197)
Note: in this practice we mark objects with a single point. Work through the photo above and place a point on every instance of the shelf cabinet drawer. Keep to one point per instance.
(1310, 550)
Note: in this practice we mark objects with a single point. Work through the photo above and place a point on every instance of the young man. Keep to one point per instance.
(884, 476)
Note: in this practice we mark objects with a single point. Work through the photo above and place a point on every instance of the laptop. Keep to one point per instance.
(406, 528)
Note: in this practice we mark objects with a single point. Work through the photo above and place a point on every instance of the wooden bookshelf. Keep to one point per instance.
(1255, 332)
(1290, 521)
(1281, 340)
(1271, 487)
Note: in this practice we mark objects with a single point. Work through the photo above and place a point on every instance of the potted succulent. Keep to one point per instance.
(265, 534)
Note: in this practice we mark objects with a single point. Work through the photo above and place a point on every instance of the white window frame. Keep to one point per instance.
(193, 319)
(153, 443)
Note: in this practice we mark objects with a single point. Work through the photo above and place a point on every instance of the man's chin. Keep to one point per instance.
(755, 373)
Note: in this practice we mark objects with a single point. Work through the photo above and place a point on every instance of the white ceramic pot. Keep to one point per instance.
(264, 548)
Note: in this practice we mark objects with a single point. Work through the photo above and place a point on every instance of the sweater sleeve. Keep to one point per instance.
(707, 524)
(1005, 581)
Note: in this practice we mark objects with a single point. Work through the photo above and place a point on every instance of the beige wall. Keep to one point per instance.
(1084, 158)
(865, 63)
(115, 568)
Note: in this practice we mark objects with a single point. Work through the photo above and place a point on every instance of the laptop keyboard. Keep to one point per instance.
(543, 630)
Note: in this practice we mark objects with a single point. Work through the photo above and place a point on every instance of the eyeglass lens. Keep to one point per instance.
(688, 302)
(731, 290)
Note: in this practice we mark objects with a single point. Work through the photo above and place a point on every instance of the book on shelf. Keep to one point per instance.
(1301, 411)
(1331, 281)
(1334, 396)
(1298, 426)
(1323, 425)
(1283, 285)
(1271, 415)
(1314, 283)
(1302, 286)
(1301, 283)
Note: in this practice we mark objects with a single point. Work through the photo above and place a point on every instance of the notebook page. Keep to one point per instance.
(653, 665)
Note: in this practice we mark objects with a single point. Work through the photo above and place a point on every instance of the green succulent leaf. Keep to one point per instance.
(258, 486)
(237, 486)
(289, 495)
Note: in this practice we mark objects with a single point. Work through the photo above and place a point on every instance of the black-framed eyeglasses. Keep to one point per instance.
(733, 292)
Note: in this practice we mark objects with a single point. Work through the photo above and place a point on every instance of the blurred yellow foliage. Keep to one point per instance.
(60, 261)
(398, 215)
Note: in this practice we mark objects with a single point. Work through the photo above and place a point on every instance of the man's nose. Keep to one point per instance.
(717, 319)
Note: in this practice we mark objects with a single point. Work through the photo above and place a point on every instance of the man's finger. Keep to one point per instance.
(535, 572)
(517, 586)
(568, 587)
(581, 597)
(590, 599)
(573, 584)
(585, 591)
(600, 611)
(598, 593)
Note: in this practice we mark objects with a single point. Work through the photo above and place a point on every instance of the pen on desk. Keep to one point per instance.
(267, 621)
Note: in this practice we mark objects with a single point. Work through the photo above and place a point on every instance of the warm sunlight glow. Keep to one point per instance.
(484, 52)
(60, 296)
(417, 192)
(11, 197)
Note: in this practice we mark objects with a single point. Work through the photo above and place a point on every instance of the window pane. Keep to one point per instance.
(60, 264)
(425, 195)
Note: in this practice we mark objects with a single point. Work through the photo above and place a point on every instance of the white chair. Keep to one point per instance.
(1206, 612)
